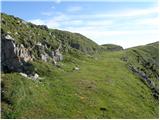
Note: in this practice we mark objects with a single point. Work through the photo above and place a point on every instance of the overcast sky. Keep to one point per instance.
(124, 22)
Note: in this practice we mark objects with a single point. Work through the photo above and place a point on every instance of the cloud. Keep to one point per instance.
(53, 7)
(74, 9)
(136, 12)
(99, 23)
(69, 21)
(53, 22)
(47, 13)
(149, 21)
(125, 38)
(128, 27)
(57, 1)
(37, 21)
(121, 13)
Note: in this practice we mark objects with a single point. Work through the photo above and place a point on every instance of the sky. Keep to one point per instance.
(124, 22)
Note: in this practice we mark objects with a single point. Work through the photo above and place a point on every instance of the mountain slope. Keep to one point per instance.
(31, 42)
(111, 47)
(29, 34)
(77, 81)
(144, 62)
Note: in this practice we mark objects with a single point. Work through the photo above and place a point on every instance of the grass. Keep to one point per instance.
(103, 81)
(29, 35)
(148, 62)
(102, 88)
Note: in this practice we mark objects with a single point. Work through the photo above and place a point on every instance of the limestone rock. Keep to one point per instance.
(23, 74)
(44, 57)
(13, 55)
(56, 55)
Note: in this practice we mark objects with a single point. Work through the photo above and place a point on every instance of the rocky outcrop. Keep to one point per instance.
(13, 55)
(146, 80)
(23, 53)
(56, 55)
(143, 61)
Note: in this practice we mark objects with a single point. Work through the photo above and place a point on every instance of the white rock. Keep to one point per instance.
(44, 57)
(22, 45)
(39, 44)
(36, 76)
(9, 37)
(16, 33)
(76, 68)
(24, 75)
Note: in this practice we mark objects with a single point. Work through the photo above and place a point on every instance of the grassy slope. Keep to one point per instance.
(111, 47)
(148, 60)
(103, 81)
(29, 34)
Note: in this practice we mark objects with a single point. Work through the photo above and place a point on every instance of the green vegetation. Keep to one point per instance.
(29, 34)
(103, 87)
(146, 59)
(111, 47)
(64, 93)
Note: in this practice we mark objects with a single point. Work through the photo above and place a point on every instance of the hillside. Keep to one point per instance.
(48, 73)
(144, 60)
(111, 47)
(29, 34)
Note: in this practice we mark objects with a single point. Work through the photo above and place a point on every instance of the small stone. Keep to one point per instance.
(23, 74)
(36, 76)
(39, 44)
(76, 68)
(16, 33)
(44, 57)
